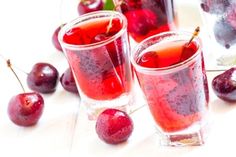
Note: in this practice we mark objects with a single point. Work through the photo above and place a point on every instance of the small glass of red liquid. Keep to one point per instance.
(171, 73)
(97, 49)
(148, 17)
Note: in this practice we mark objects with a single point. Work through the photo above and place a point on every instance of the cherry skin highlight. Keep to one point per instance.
(68, 82)
(26, 109)
(87, 6)
(114, 126)
(224, 85)
(43, 78)
(55, 41)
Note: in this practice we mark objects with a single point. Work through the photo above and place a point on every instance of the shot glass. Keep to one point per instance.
(172, 76)
(148, 17)
(98, 52)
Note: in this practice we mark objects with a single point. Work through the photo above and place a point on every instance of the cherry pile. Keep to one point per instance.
(26, 108)
(225, 25)
(44, 77)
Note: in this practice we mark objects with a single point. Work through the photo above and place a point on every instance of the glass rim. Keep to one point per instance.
(87, 17)
(168, 68)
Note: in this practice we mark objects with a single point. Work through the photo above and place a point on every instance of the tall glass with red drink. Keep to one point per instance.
(148, 17)
(171, 73)
(97, 50)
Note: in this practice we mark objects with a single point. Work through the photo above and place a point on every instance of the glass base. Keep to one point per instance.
(95, 107)
(189, 137)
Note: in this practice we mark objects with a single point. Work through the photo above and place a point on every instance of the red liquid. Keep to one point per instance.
(103, 73)
(176, 100)
(148, 17)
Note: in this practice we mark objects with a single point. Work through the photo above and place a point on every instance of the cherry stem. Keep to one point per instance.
(10, 66)
(13, 65)
(136, 109)
(195, 34)
(109, 25)
(21, 70)
(110, 21)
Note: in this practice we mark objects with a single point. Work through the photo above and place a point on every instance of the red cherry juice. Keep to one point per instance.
(148, 17)
(102, 72)
(175, 98)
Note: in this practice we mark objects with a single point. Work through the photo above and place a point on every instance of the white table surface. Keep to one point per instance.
(64, 130)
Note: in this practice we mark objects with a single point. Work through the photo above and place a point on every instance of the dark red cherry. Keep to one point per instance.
(114, 126)
(188, 50)
(224, 85)
(68, 82)
(87, 6)
(55, 41)
(43, 78)
(141, 21)
(25, 109)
